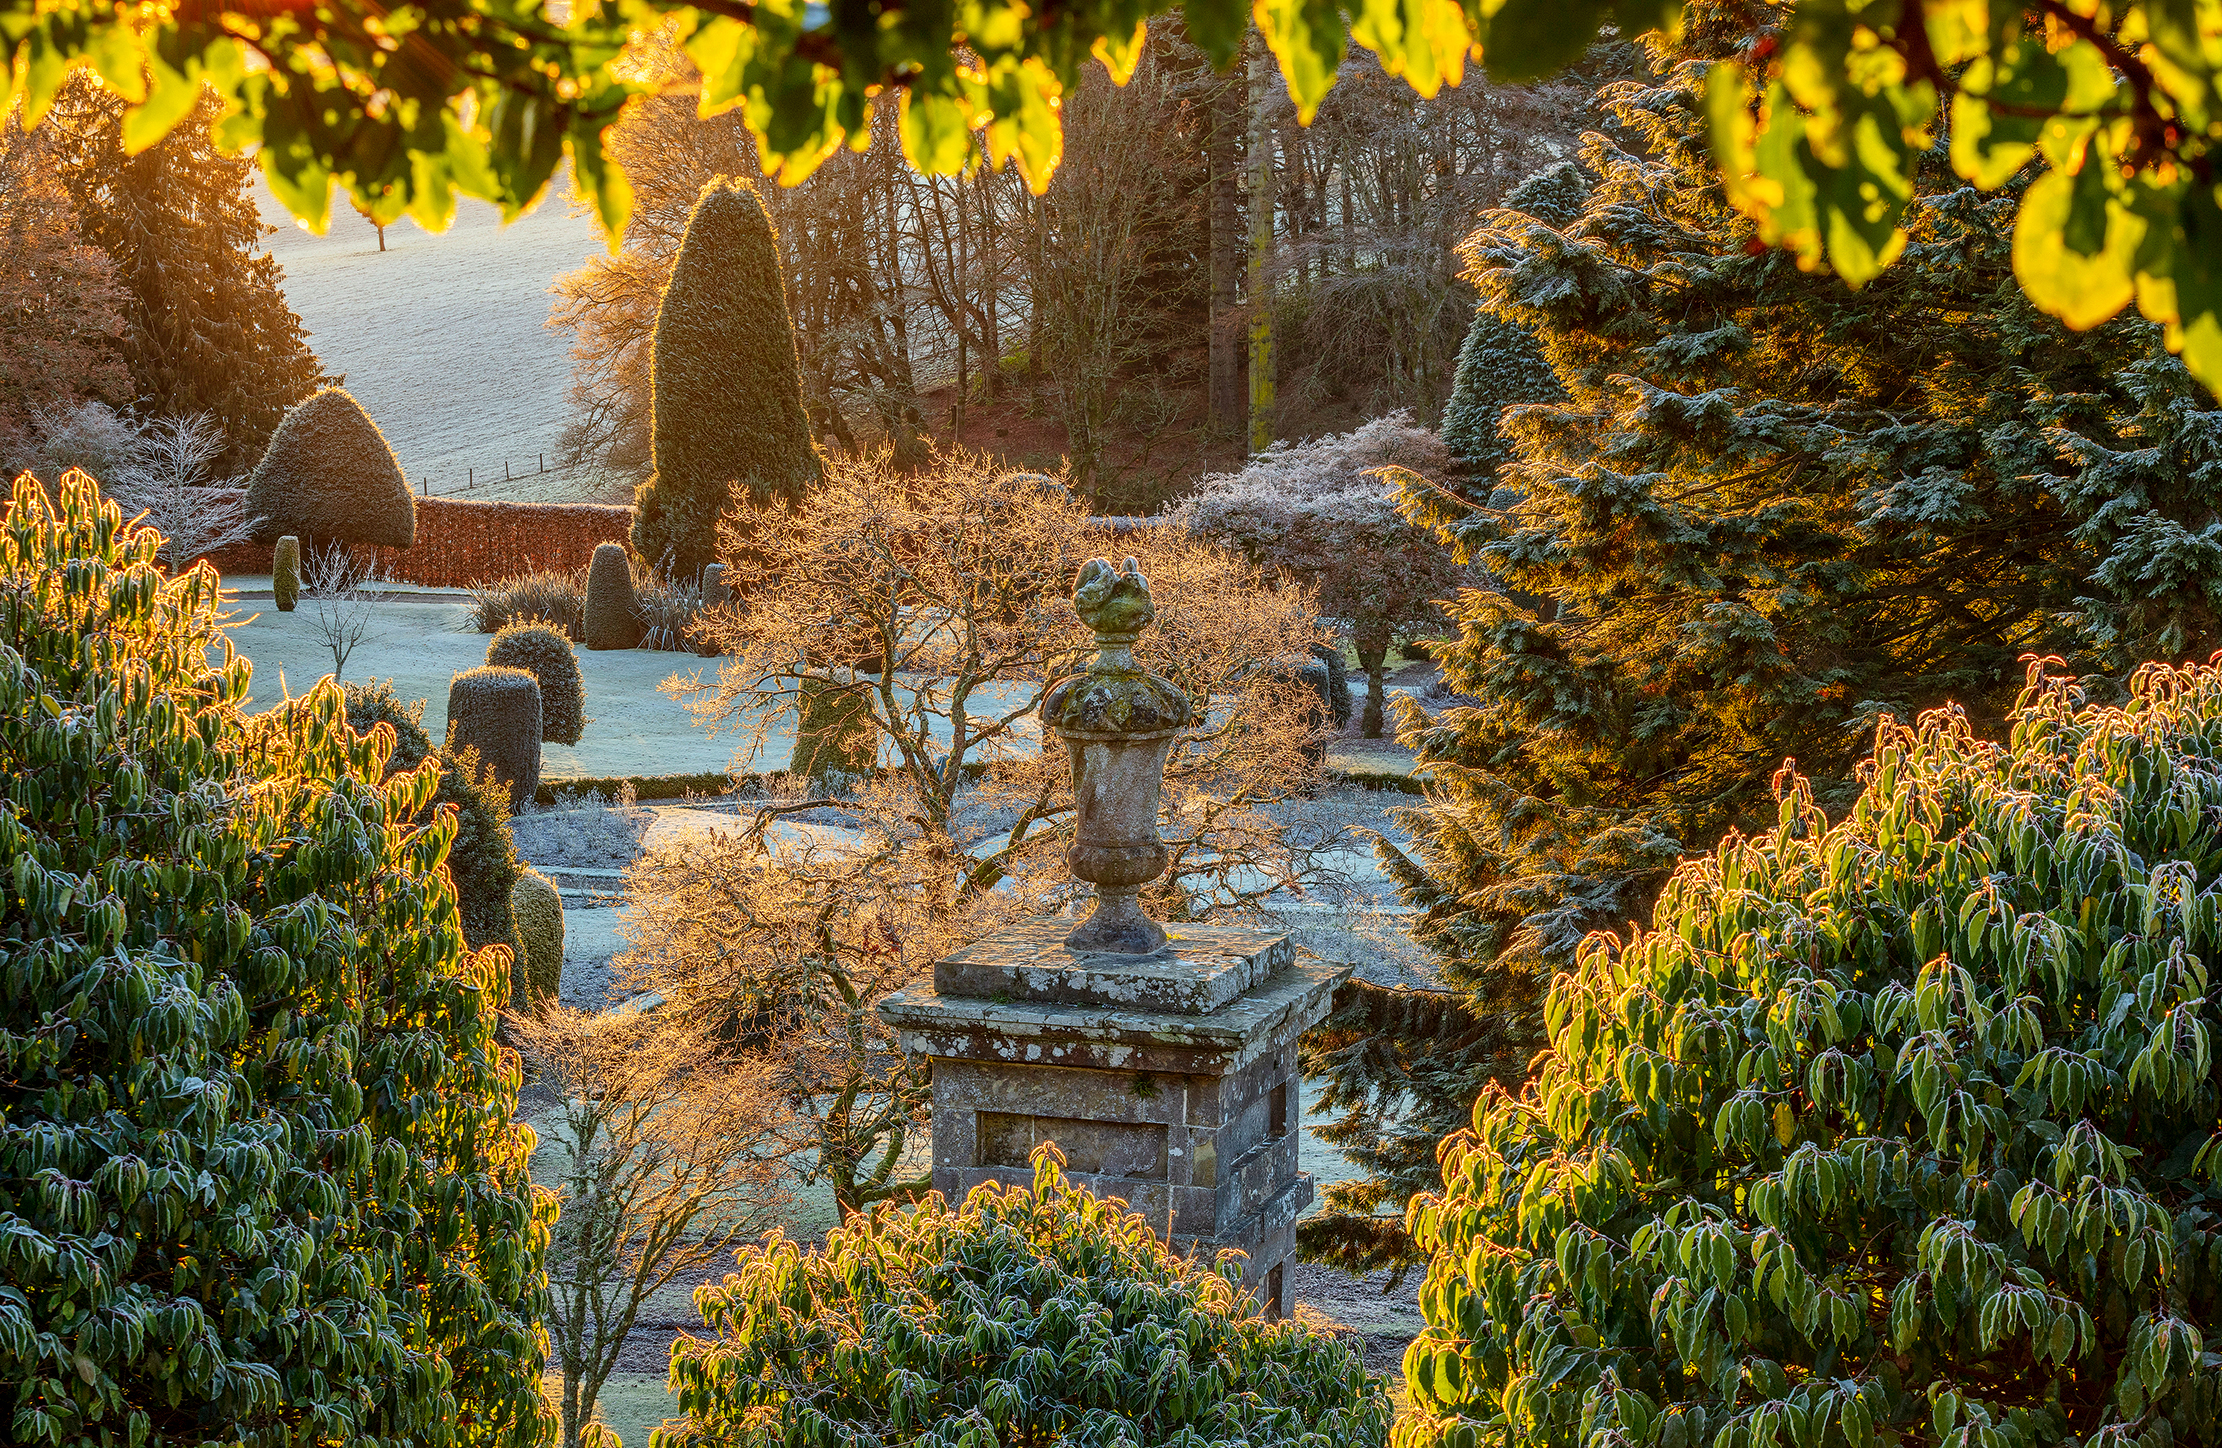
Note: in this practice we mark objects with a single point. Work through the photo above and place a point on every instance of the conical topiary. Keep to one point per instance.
(612, 621)
(285, 572)
(727, 419)
(539, 911)
(329, 477)
(543, 652)
(835, 735)
(497, 712)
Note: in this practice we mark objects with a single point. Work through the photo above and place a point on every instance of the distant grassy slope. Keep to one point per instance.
(444, 338)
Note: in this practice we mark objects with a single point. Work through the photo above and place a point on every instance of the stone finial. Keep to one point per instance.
(1118, 724)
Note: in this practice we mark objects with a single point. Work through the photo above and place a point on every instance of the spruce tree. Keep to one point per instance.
(727, 409)
(1770, 512)
(206, 325)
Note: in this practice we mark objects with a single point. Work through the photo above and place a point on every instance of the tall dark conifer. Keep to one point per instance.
(1769, 512)
(728, 419)
(207, 328)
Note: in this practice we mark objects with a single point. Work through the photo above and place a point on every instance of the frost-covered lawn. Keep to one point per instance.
(633, 728)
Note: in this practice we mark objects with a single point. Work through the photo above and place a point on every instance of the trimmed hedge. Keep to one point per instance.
(545, 653)
(496, 711)
(1903, 1129)
(727, 390)
(253, 1118)
(539, 910)
(285, 572)
(329, 477)
(483, 860)
(461, 543)
(1027, 1315)
(612, 617)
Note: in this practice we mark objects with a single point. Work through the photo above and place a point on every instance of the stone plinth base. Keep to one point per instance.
(1169, 1080)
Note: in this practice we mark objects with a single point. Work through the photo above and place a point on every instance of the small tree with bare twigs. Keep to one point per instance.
(936, 609)
(341, 582)
(168, 481)
(663, 1159)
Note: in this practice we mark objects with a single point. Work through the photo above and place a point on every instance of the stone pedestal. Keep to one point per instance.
(1168, 1080)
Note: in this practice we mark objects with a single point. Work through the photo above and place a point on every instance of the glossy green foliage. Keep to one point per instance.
(1027, 1316)
(544, 652)
(728, 424)
(259, 1182)
(1898, 1131)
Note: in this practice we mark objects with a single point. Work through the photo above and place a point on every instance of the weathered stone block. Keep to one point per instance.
(1168, 1081)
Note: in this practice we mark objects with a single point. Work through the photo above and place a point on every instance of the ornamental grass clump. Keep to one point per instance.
(1026, 1316)
(253, 1118)
(554, 596)
(1902, 1130)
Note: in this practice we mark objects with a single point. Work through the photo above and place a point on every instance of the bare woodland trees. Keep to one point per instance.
(1118, 303)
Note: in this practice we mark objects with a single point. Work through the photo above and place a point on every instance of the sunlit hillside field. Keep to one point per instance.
(443, 338)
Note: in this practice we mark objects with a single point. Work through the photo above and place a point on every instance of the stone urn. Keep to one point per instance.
(1118, 723)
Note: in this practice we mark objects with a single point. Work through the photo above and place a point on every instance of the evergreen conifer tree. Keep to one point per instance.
(1499, 365)
(206, 325)
(1771, 511)
(727, 409)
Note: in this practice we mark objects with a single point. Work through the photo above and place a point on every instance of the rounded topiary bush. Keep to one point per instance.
(483, 860)
(285, 572)
(612, 619)
(496, 711)
(253, 1117)
(329, 477)
(1898, 1131)
(546, 654)
(539, 911)
(1025, 1316)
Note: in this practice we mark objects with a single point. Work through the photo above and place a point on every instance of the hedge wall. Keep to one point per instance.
(461, 542)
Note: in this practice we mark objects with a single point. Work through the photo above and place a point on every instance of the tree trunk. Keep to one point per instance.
(1223, 159)
(1261, 244)
(1374, 660)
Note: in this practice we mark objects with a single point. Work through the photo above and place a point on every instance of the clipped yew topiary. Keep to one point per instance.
(539, 910)
(253, 1119)
(727, 420)
(329, 477)
(1026, 1316)
(285, 572)
(483, 860)
(836, 734)
(612, 617)
(545, 653)
(1898, 1131)
(496, 711)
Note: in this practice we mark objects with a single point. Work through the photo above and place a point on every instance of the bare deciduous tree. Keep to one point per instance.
(661, 1157)
(341, 583)
(166, 480)
(934, 609)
